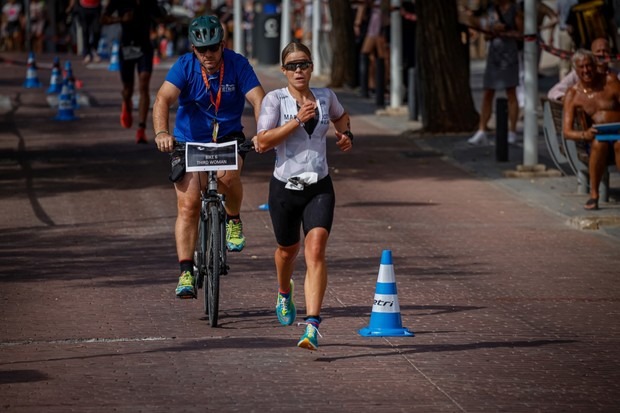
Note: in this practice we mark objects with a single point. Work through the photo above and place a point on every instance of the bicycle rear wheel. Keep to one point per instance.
(212, 290)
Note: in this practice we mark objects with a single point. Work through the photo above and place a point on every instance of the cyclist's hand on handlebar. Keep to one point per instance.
(246, 146)
(164, 142)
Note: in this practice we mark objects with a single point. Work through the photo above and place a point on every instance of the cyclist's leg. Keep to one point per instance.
(229, 184)
(188, 212)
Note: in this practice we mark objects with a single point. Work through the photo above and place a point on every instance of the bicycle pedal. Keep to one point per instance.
(188, 296)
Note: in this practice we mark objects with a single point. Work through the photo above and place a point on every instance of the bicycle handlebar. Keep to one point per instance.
(244, 147)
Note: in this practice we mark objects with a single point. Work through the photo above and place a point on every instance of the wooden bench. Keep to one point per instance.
(569, 156)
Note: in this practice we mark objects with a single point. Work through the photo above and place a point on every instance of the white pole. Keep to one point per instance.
(238, 26)
(316, 33)
(396, 47)
(285, 34)
(530, 50)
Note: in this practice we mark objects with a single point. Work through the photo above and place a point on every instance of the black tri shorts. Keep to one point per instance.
(291, 210)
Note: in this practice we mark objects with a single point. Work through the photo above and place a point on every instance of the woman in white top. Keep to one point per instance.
(294, 121)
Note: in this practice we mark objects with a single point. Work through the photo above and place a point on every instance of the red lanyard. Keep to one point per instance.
(218, 99)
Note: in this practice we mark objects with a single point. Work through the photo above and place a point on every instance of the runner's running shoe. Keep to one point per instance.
(235, 241)
(186, 288)
(309, 338)
(285, 308)
(141, 136)
(126, 119)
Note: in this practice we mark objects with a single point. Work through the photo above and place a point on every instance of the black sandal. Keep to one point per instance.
(591, 205)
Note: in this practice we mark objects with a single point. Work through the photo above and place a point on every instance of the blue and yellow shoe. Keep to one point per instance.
(309, 338)
(186, 288)
(235, 240)
(285, 308)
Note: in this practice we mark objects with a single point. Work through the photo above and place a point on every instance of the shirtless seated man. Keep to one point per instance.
(598, 97)
(602, 50)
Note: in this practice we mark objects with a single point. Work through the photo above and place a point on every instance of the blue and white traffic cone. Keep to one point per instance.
(70, 81)
(115, 65)
(55, 79)
(385, 318)
(103, 49)
(65, 106)
(32, 80)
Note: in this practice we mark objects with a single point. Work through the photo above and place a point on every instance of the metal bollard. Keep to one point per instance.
(501, 130)
(380, 82)
(364, 75)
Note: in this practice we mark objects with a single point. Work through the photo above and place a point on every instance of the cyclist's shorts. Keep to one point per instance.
(239, 137)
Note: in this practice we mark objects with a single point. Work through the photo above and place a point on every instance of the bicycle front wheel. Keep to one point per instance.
(212, 292)
(200, 264)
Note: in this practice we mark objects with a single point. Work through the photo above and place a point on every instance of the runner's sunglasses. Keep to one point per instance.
(291, 67)
(204, 49)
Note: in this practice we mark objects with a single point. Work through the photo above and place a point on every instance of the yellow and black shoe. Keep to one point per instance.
(186, 288)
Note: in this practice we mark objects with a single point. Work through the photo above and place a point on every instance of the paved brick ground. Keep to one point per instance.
(513, 309)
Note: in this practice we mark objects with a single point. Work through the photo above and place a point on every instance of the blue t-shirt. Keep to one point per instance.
(196, 113)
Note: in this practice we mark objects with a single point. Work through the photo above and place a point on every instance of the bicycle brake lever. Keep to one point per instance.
(246, 146)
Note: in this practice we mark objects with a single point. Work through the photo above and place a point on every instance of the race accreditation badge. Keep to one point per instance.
(216, 129)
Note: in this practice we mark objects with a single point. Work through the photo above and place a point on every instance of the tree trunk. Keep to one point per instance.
(343, 43)
(443, 69)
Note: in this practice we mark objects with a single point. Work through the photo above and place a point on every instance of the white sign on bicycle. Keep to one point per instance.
(210, 156)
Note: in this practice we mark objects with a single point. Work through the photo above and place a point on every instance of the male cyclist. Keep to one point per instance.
(210, 85)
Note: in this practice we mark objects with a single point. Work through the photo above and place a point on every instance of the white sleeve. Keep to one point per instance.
(335, 108)
(558, 91)
(269, 117)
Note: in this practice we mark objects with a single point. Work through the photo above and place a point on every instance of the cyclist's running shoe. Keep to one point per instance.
(141, 136)
(126, 118)
(309, 338)
(186, 288)
(285, 308)
(235, 241)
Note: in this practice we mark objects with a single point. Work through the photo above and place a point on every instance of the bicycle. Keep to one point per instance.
(210, 253)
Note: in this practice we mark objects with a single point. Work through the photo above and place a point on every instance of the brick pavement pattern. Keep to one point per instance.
(512, 309)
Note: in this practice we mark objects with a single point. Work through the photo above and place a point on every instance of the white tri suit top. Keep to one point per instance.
(301, 152)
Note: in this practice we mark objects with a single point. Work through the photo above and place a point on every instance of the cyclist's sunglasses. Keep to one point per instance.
(293, 66)
(204, 49)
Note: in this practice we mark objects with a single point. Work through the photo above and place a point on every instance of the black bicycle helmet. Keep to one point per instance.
(205, 31)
